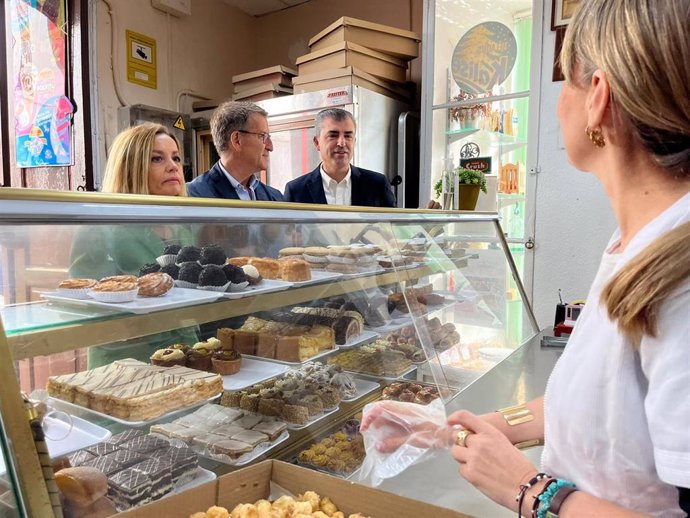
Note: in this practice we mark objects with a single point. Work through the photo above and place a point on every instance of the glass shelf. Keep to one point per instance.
(35, 316)
(493, 139)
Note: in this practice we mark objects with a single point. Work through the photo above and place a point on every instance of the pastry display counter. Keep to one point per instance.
(231, 332)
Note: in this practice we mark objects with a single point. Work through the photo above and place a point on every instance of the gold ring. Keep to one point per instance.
(461, 438)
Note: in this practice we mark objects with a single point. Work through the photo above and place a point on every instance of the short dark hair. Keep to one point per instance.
(337, 114)
(229, 117)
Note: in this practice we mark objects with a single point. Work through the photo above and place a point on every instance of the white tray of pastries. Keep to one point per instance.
(361, 339)
(317, 276)
(71, 407)
(322, 354)
(132, 392)
(265, 286)
(364, 387)
(175, 298)
(65, 433)
(253, 370)
(228, 435)
(312, 420)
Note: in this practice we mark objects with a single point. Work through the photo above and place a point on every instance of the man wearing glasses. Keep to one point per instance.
(240, 134)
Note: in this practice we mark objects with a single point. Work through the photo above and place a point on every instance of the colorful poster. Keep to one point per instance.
(42, 112)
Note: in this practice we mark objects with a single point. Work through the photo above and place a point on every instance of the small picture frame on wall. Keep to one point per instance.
(562, 12)
(557, 74)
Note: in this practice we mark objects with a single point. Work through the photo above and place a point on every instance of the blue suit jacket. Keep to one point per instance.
(214, 184)
(369, 189)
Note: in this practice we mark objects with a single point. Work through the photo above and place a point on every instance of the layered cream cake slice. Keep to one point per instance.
(65, 386)
(134, 397)
(231, 448)
(87, 394)
(203, 384)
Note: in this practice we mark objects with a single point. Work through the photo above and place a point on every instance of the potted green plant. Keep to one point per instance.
(469, 183)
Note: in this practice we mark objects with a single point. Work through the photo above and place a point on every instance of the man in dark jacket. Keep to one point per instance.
(335, 181)
(240, 134)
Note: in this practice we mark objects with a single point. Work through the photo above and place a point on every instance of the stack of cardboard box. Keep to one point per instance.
(357, 52)
(266, 83)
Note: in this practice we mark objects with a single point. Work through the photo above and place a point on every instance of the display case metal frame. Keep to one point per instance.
(27, 207)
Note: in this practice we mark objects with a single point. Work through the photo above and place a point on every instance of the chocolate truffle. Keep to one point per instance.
(213, 254)
(171, 269)
(190, 272)
(149, 268)
(172, 250)
(188, 254)
(212, 275)
(234, 274)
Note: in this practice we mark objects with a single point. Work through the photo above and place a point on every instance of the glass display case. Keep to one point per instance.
(248, 331)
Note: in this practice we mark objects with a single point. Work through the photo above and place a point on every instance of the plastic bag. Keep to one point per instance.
(398, 435)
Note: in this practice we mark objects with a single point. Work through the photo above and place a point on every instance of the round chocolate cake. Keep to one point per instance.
(171, 250)
(213, 254)
(188, 254)
(212, 275)
(149, 268)
(171, 269)
(189, 272)
(234, 274)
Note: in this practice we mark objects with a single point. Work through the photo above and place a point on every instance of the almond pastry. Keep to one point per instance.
(120, 278)
(155, 284)
(76, 284)
(113, 285)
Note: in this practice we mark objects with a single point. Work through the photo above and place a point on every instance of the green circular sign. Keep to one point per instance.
(484, 57)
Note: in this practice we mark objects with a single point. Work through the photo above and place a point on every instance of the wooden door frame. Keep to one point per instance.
(78, 71)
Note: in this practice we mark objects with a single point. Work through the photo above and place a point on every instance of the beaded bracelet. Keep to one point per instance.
(520, 498)
(537, 501)
(547, 495)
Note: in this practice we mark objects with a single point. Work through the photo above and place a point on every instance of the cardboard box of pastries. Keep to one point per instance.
(277, 75)
(390, 40)
(347, 54)
(254, 483)
(262, 92)
(351, 76)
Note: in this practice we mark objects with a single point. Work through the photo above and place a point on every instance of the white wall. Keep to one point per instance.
(573, 217)
(198, 53)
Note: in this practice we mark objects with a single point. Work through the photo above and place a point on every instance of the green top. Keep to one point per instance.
(101, 251)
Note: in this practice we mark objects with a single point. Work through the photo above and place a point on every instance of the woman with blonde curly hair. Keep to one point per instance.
(143, 159)
(616, 414)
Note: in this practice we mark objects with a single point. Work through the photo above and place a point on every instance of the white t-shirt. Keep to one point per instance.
(617, 419)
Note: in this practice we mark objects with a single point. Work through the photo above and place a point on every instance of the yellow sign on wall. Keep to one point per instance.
(141, 60)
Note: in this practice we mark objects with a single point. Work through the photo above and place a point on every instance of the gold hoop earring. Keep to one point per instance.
(595, 136)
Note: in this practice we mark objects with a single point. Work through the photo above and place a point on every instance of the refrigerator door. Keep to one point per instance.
(291, 123)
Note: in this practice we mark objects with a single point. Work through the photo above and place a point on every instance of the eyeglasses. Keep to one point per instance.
(265, 137)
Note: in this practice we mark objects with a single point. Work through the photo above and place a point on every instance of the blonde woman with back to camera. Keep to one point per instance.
(143, 159)
(616, 413)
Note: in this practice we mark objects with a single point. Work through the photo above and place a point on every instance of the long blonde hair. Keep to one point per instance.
(127, 168)
(635, 295)
(643, 48)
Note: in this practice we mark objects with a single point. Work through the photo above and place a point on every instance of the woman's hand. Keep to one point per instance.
(405, 423)
(489, 461)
